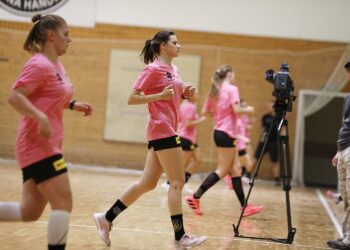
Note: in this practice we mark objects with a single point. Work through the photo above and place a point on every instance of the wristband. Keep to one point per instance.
(71, 104)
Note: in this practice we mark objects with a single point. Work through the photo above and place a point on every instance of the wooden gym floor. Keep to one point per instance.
(146, 224)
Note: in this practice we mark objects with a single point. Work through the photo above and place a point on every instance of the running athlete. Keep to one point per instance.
(188, 122)
(159, 86)
(223, 104)
(40, 94)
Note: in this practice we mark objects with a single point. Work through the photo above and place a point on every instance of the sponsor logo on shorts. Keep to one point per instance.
(59, 164)
(177, 139)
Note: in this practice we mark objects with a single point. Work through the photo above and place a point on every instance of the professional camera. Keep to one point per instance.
(283, 87)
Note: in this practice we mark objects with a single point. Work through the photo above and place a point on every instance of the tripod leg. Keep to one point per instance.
(285, 166)
(251, 183)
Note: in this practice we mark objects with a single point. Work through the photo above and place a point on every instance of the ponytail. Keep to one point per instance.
(217, 79)
(151, 50)
(37, 35)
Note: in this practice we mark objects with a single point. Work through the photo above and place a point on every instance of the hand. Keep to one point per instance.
(189, 92)
(335, 160)
(83, 107)
(202, 118)
(250, 109)
(167, 93)
(44, 126)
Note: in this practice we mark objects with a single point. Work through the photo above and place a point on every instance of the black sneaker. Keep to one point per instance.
(338, 244)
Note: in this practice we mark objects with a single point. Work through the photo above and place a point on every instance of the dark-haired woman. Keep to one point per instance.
(159, 86)
(223, 103)
(40, 94)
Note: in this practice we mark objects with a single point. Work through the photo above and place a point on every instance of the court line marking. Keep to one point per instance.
(208, 236)
(139, 172)
(330, 213)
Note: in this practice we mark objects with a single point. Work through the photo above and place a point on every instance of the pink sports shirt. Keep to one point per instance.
(163, 115)
(188, 112)
(225, 117)
(50, 91)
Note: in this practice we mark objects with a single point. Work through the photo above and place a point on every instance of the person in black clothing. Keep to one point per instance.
(341, 160)
(271, 146)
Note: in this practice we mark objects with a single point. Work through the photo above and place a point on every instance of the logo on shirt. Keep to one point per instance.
(30, 7)
(59, 78)
(168, 75)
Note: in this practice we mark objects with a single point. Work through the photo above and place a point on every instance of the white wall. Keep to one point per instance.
(325, 20)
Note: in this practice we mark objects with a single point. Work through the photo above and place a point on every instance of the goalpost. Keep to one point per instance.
(309, 102)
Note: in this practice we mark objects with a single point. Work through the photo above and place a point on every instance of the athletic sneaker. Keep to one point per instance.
(251, 210)
(166, 186)
(228, 181)
(245, 180)
(334, 243)
(335, 197)
(194, 204)
(103, 227)
(338, 245)
(188, 241)
(187, 189)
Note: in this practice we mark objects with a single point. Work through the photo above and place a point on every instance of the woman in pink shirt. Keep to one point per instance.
(188, 122)
(224, 104)
(160, 87)
(243, 142)
(40, 94)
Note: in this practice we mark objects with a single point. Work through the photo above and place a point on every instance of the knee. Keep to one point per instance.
(30, 214)
(198, 162)
(222, 172)
(147, 186)
(177, 185)
(63, 203)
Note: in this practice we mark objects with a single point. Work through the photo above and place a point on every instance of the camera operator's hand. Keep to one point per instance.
(167, 93)
(335, 160)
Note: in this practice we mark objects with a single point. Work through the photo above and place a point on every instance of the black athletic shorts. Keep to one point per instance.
(271, 147)
(187, 145)
(223, 140)
(165, 143)
(45, 169)
(242, 152)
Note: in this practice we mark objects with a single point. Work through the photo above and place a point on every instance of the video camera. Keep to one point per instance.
(283, 87)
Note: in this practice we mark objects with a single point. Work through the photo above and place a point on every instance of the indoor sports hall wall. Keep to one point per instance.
(88, 63)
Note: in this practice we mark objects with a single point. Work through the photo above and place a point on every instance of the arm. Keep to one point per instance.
(136, 97)
(18, 99)
(81, 107)
(207, 113)
(243, 138)
(240, 110)
(335, 160)
(190, 123)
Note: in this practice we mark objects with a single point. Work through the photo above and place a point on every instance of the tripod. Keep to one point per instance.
(281, 125)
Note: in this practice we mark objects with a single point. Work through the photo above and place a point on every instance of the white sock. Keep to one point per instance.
(10, 211)
(346, 241)
(57, 228)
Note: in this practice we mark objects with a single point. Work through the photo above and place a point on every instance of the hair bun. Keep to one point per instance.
(36, 18)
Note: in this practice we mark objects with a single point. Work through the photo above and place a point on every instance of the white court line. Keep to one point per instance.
(330, 213)
(208, 236)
